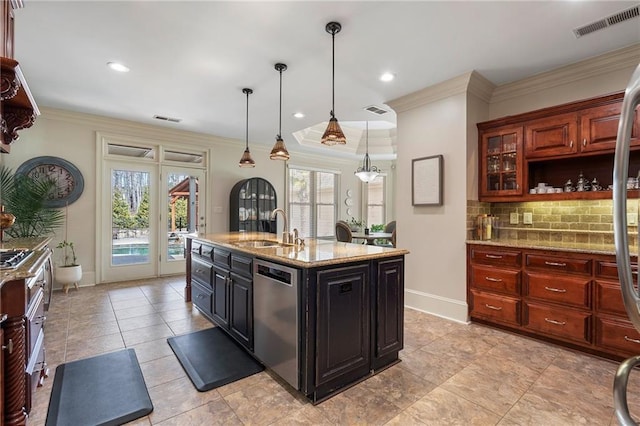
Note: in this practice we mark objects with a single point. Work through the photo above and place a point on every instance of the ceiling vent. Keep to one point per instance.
(625, 15)
(171, 119)
(375, 110)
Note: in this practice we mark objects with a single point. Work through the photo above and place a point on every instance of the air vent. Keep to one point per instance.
(375, 110)
(171, 119)
(601, 24)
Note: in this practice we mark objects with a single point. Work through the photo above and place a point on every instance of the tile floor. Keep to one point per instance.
(450, 373)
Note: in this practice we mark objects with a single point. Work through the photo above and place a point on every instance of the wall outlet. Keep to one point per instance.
(527, 218)
(513, 218)
(632, 219)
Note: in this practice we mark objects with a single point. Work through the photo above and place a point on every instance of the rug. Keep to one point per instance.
(212, 359)
(107, 389)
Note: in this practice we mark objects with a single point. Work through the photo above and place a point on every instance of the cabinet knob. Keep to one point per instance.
(8, 346)
(3, 318)
(571, 144)
(584, 142)
(40, 319)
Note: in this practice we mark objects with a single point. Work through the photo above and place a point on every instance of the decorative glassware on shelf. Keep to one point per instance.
(582, 184)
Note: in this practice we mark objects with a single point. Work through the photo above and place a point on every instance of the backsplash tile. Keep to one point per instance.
(580, 221)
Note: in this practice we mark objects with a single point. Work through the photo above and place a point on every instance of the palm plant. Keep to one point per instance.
(25, 197)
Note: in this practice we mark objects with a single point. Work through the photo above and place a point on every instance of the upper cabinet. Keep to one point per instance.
(19, 109)
(251, 202)
(553, 145)
(501, 162)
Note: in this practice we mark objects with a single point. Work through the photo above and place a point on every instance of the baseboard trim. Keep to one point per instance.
(444, 307)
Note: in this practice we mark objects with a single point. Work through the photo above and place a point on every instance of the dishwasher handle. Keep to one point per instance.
(274, 273)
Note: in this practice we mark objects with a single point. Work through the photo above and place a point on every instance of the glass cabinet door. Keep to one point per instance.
(252, 201)
(501, 162)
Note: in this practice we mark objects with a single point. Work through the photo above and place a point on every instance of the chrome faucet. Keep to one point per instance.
(286, 235)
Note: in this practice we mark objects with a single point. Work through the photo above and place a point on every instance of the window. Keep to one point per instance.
(375, 197)
(312, 202)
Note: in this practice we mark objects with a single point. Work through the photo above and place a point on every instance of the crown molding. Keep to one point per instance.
(621, 59)
(432, 94)
(480, 86)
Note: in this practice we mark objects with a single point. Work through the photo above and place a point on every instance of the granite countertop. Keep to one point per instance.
(314, 253)
(589, 248)
(30, 267)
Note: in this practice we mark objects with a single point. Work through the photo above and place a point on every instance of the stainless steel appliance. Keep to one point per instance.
(275, 314)
(629, 293)
(11, 259)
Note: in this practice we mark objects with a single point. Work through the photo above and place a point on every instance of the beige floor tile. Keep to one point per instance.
(125, 293)
(189, 325)
(398, 386)
(154, 349)
(94, 318)
(182, 312)
(161, 370)
(177, 397)
(260, 379)
(216, 412)
(84, 348)
(263, 405)
(441, 407)
(146, 334)
(164, 297)
(138, 311)
(128, 324)
(90, 330)
(134, 302)
(435, 368)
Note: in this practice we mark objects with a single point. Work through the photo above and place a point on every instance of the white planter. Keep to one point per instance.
(67, 275)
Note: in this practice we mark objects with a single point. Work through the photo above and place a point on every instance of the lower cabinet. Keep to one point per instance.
(222, 289)
(241, 309)
(343, 342)
(388, 324)
(568, 297)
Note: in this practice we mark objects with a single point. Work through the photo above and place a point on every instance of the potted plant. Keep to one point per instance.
(69, 272)
(356, 224)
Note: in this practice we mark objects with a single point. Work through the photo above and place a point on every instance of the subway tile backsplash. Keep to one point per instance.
(580, 221)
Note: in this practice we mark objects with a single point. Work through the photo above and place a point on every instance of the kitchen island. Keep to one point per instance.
(323, 316)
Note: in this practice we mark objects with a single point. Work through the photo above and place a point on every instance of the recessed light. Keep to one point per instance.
(298, 115)
(116, 66)
(387, 76)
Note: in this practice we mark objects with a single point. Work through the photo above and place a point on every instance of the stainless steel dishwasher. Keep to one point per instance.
(275, 314)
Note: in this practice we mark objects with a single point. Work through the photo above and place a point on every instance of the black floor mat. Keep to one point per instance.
(106, 389)
(212, 359)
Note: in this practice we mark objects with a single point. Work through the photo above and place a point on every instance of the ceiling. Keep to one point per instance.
(190, 60)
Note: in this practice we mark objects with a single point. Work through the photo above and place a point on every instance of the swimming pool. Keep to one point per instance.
(142, 249)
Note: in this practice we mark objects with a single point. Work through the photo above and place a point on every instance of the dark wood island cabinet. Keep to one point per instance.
(349, 304)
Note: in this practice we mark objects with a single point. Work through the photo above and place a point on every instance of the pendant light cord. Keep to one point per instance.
(247, 123)
(333, 71)
(280, 119)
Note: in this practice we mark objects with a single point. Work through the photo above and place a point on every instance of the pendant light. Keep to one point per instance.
(279, 151)
(333, 135)
(367, 172)
(246, 160)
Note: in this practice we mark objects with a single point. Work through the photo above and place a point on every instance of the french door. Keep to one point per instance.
(147, 211)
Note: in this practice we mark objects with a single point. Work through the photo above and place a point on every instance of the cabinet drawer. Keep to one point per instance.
(221, 257)
(201, 297)
(494, 307)
(494, 279)
(495, 257)
(609, 298)
(242, 265)
(201, 272)
(559, 263)
(558, 288)
(562, 322)
(35, 319)
(201, 250)
(609, 269)
(617, 334)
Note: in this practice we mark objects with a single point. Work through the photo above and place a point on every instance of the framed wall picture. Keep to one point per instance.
(426, 181)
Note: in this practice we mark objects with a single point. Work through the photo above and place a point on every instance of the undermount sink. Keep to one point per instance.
(258, 243)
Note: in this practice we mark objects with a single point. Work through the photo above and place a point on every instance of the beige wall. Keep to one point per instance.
(440, 120)
(72, 136)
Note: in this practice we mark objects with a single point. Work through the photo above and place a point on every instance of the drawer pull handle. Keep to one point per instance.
(40, 319)
(495, 280)
(493, 256)
(200, 296)
(584, 142)
(571, 144)
(629, 339)
(555, 322)
(562, 264)
(3, 318)
(495, 308)
(9, 346)
(556, 290)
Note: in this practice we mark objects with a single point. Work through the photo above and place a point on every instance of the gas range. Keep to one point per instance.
(11, 259)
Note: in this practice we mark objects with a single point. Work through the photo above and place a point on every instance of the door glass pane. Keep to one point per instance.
(130, 217)
(182, 212)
